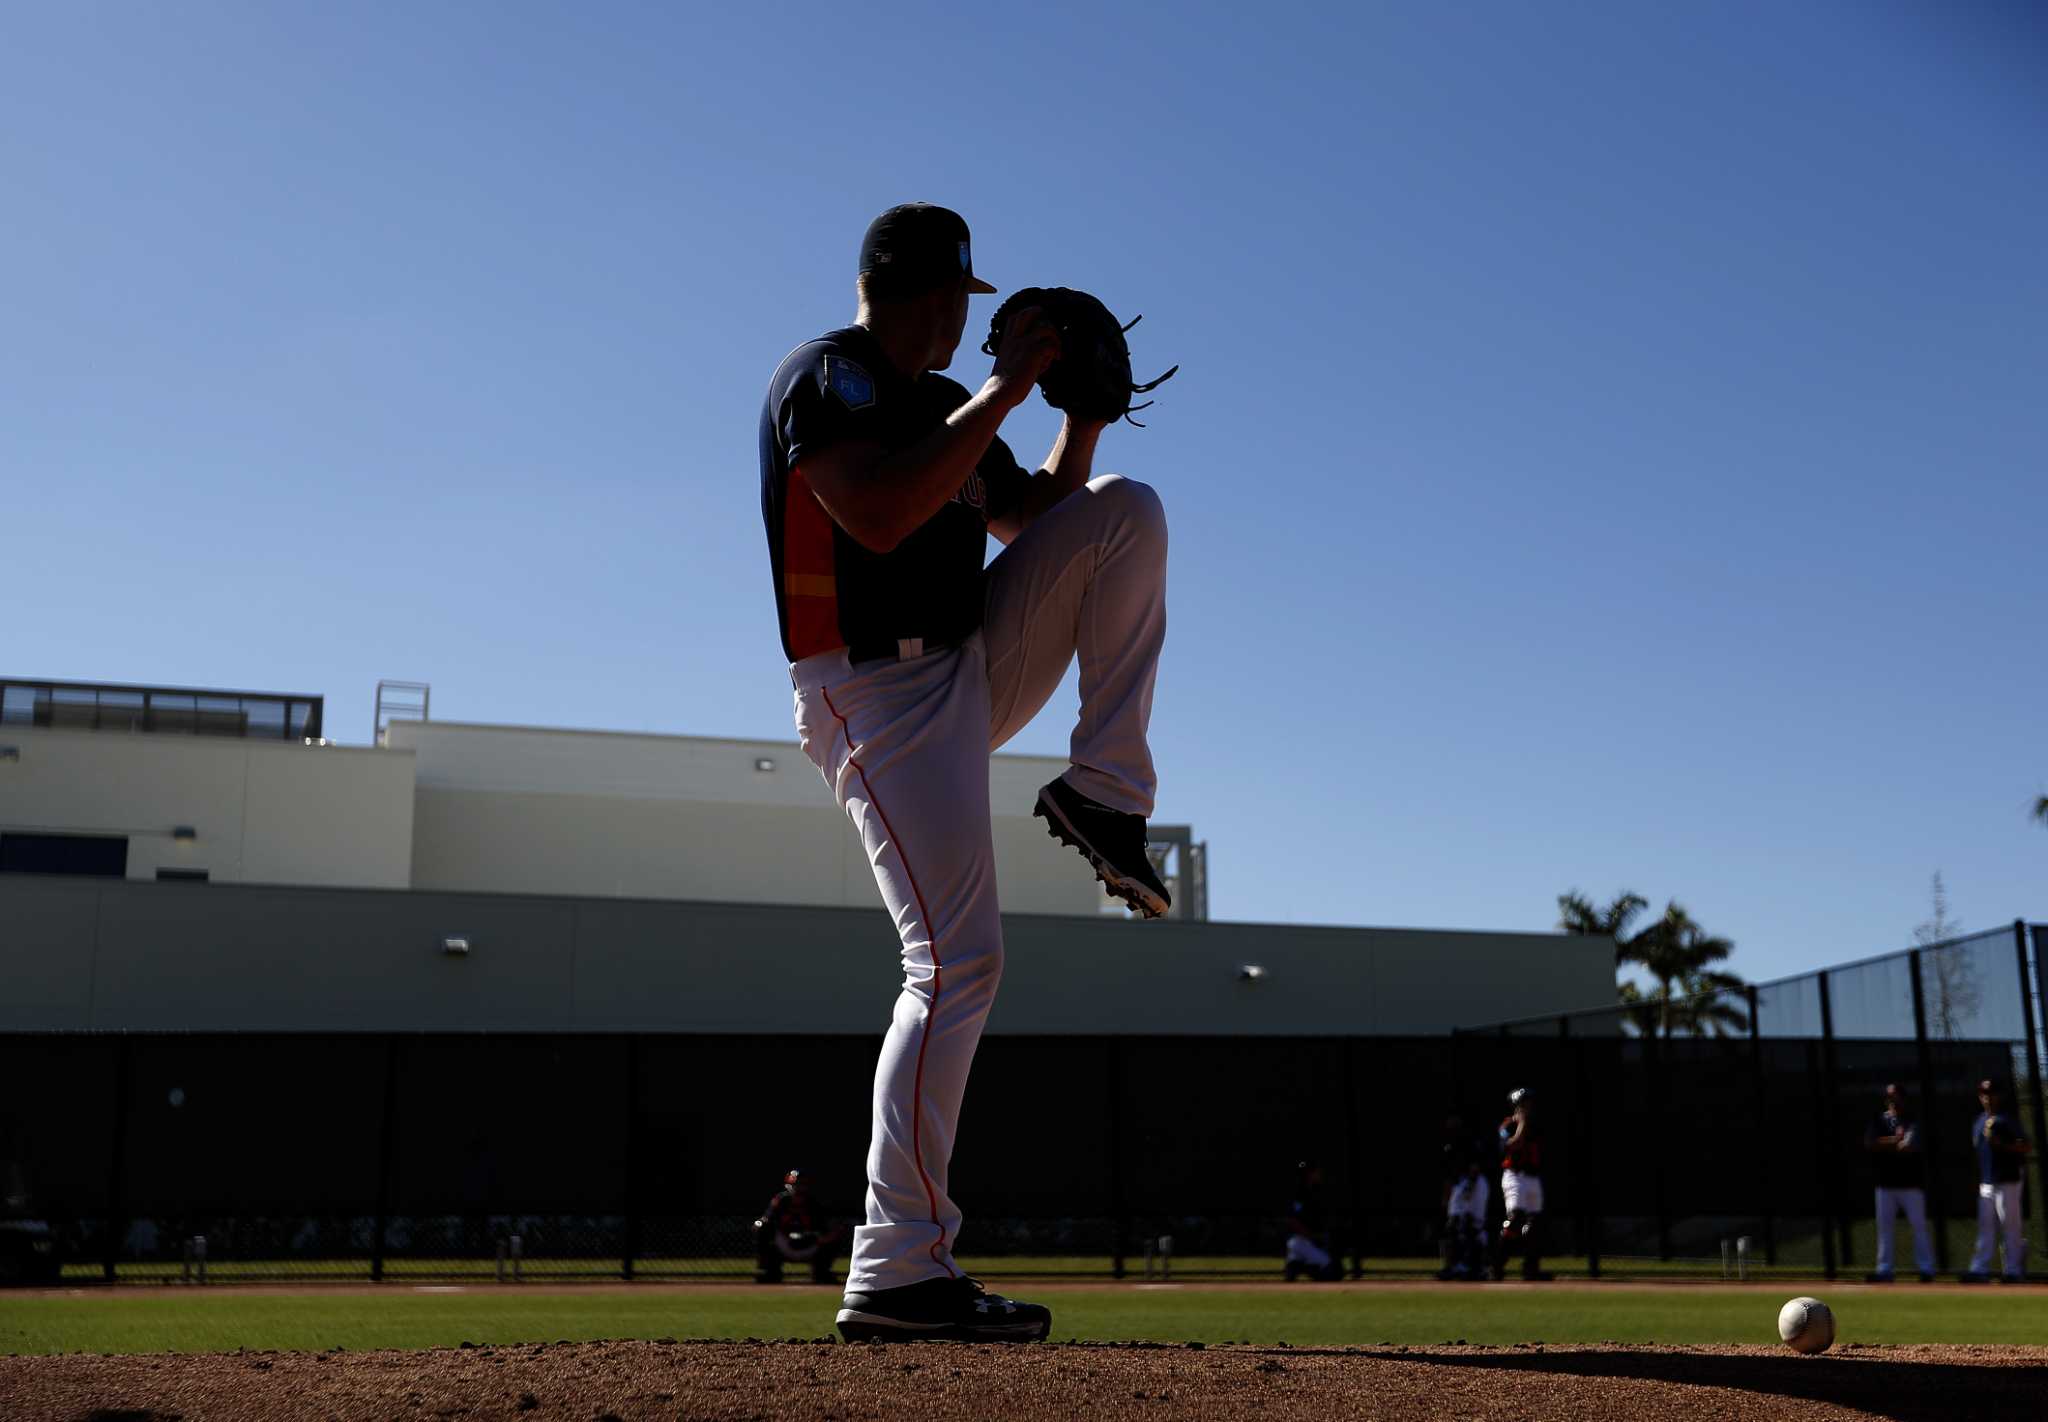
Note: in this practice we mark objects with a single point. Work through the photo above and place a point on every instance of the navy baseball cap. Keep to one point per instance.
(919, 244)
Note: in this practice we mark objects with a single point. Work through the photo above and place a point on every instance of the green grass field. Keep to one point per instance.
(194, 1320)
(738, 1269)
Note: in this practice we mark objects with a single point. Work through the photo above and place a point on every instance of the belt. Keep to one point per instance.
(899, 649)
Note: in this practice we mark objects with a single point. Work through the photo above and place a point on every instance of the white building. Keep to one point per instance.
(521, 878)
(475, 808)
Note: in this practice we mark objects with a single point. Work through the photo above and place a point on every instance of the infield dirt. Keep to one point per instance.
(592, 1382)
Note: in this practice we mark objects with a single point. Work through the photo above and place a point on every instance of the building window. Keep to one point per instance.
(100, 855)
(181, 876)
(90, 706)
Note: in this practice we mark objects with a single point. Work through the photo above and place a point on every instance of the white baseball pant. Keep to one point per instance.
(1912, 1200)
(1303, 1250)
(1468, 1198)
(1998, 1211)
(905, 746)
(1521, 1191)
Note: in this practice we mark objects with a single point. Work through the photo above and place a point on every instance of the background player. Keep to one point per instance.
(1521, 1188)
(880, 484)
(1459, 1151)
(2001, 1166)
(790, 1231)
(1465, 1222)
(1893, 1140)
(1308, 1242)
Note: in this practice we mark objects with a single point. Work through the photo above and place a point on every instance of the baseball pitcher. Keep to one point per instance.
(881, 481)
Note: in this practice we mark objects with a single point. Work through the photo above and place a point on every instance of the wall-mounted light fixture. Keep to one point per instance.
(455, 947)
(184, 834)
(1250, 973)
(763, 763)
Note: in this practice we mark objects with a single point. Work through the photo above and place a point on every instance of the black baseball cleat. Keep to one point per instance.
(941, 1308)
(1110, 840)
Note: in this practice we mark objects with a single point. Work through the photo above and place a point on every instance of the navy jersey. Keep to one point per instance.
(1895, 1169)
(1997, 1167)
(829, 591)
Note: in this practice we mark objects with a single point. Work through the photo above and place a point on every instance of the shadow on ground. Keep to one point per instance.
(1900, 1387)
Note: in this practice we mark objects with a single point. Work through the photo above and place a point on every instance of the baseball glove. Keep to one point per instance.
(1092, 377)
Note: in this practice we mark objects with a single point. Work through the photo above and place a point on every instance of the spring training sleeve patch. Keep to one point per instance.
(847, 380)
(831, 398)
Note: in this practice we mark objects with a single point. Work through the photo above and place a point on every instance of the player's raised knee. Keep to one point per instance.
(1133, 499)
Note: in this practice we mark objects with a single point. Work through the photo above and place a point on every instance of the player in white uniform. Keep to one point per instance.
(1466, 1224)
(1521, 1188)
(881, 481)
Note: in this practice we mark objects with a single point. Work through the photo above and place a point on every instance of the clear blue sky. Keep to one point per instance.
(1609, 449)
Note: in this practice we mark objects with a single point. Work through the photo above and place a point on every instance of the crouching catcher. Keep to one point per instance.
(790, 1232)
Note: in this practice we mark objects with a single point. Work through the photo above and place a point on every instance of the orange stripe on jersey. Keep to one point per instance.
(810, 582)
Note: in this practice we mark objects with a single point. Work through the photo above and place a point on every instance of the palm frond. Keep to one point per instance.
(1575, 913)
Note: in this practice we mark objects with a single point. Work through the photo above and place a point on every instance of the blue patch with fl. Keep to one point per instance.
(854, 386)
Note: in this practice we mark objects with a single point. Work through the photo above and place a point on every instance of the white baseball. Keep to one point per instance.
(1806, 1325)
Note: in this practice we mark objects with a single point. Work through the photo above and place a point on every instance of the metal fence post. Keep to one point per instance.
(1584, 1176)
(1824, 1153)
(1351, 1164)
(1456, 1105)
(630, 1246)
(387, 1160)
(1760, 1109)
(2033, 1026)
(117, 1158)
(1120, 1224)
(1930, 1134)
(1654, 1047)
(1831, 1125)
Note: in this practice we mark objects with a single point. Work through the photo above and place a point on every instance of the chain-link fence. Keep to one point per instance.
(217, 1157)
(1749, 1115)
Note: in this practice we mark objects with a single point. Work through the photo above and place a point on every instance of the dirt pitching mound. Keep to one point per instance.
(814, 1381)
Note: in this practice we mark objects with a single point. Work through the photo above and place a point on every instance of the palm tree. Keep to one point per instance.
(1699, 1008)
(1576, 914)
(1692, 995)
(1707, 1006)
(2041, 809)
